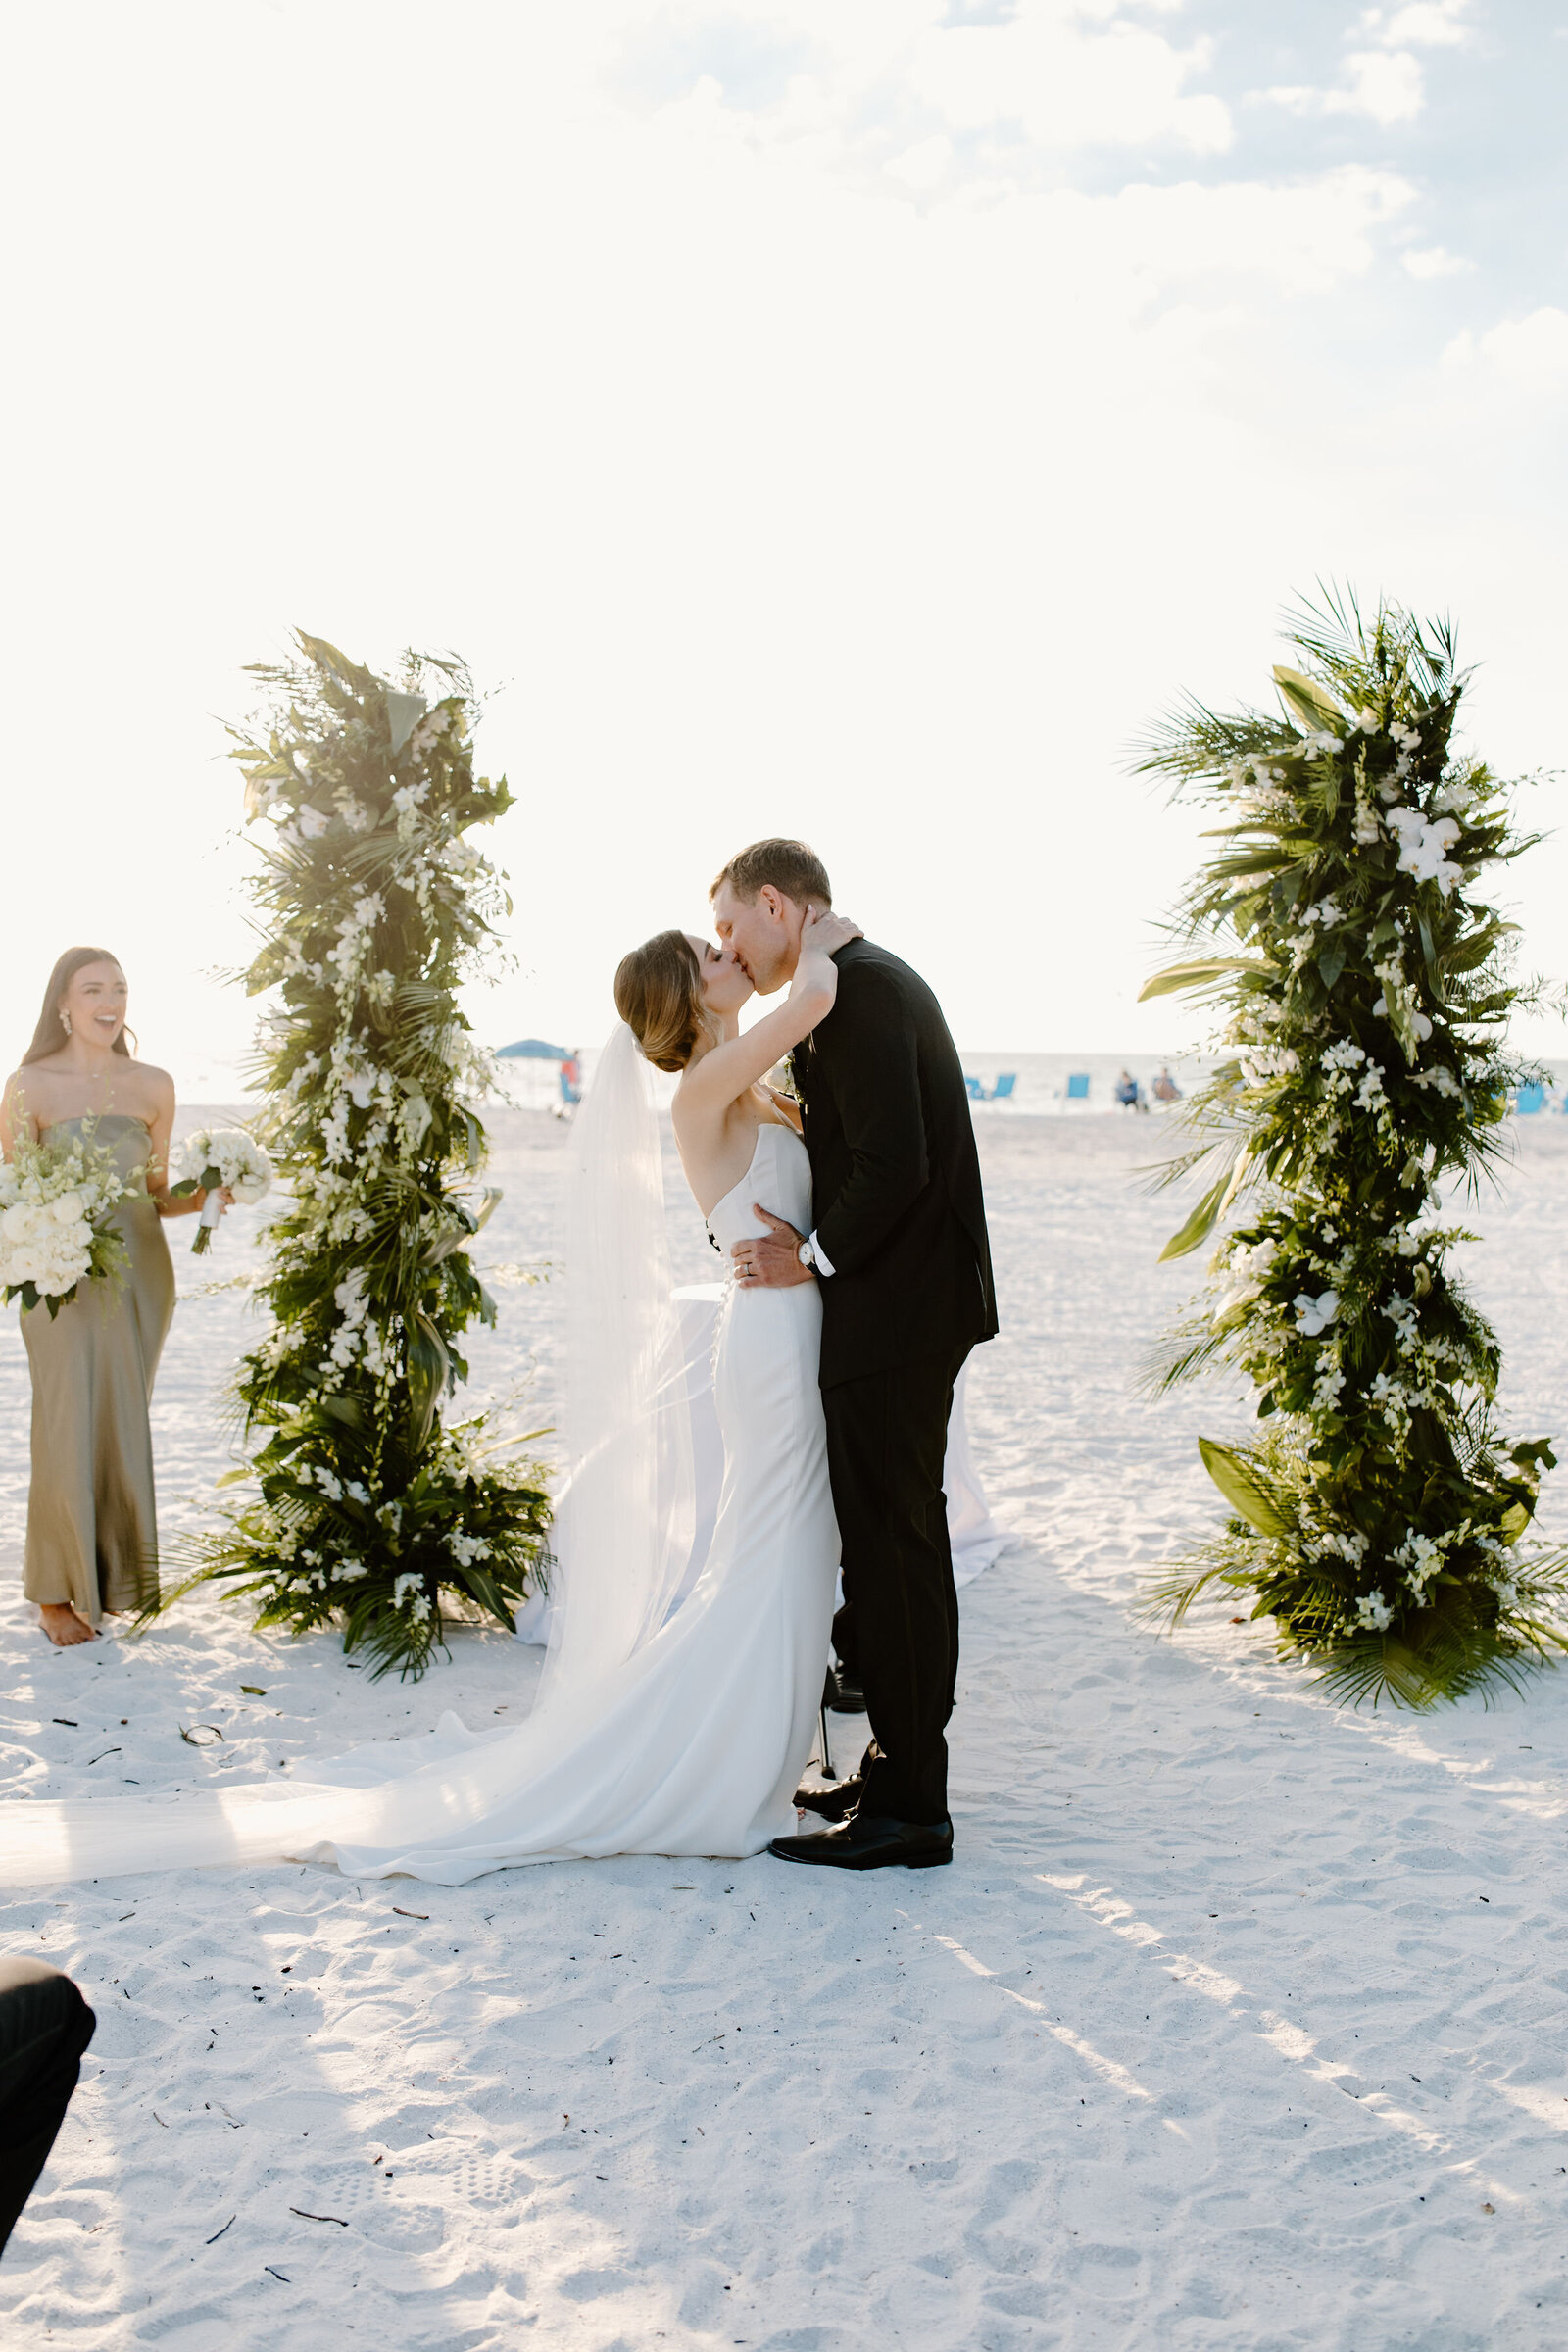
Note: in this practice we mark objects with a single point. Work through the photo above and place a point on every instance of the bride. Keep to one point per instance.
(663, 1732)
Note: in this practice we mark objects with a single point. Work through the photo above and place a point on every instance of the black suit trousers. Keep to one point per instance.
(898, 1630)
(45, 2024)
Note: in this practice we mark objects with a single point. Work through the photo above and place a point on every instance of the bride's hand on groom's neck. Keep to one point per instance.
(823, 933)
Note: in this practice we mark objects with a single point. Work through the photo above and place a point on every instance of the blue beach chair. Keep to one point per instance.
(1530, 1100)
(977, 1092)
(1078, 1087)
(1001, 1091)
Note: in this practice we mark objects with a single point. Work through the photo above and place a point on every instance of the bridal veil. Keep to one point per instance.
(624, 1533)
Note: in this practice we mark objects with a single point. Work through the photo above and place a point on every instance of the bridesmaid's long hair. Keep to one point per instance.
(49, 1037)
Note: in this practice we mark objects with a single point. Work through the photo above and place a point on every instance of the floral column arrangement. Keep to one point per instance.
(370, 1510)
(1365, 986)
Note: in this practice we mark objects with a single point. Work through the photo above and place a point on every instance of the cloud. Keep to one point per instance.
(1423, 24)
(1390, 88)
(816, 461)
(1529, 354)
(1068, 86)
(1434, 261)
(1303, 239)
(923, 166)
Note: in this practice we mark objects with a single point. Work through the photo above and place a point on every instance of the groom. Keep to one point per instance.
(901, 1252)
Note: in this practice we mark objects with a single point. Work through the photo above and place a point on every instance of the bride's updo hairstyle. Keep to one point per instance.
(50, 1034)
(659, 994)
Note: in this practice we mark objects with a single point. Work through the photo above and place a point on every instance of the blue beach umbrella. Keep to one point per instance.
(533, 1048)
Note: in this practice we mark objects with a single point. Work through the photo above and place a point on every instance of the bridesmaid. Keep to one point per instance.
(92, 1530)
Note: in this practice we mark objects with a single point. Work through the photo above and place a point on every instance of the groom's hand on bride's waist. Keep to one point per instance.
(772, 1261)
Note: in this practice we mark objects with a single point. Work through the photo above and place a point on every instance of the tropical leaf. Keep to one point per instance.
(1241, 1488)
(1200, 1224)
(1199, 971)
(404, 712)
(1309, 701)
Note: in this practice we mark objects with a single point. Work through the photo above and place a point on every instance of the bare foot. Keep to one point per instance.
(63, 1625)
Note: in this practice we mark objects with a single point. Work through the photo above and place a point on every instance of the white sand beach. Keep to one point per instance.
(1234, 2024)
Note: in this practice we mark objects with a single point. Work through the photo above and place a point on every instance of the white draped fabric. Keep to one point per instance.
(977, 1540)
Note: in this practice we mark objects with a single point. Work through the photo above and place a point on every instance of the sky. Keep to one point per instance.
(853, 418)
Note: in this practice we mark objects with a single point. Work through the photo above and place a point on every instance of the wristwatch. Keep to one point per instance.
(808, 1256)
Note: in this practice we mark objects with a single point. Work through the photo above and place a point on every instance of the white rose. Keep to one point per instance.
(65, 1207)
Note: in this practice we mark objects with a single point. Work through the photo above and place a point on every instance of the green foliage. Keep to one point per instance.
(367, 1509)
(1365, 988)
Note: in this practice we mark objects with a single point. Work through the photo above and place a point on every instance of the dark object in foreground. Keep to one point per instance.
(872, 1841)
(45, 2024)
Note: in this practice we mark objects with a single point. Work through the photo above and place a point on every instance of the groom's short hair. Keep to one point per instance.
(791, 867)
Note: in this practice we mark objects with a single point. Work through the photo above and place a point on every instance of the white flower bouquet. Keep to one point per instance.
(56, 1221)
(211, 1157)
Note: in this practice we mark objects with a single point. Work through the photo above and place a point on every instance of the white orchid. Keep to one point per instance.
(1315, 1315)
(1422, 1556)
(1424, 845)
(407, 1592)
(1263, 1062)
(1419, 1022)
(1369, 1094)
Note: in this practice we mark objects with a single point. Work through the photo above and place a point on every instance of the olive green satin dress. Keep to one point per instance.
(92, 1524)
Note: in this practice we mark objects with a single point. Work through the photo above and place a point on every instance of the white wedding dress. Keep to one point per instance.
(691, 1744)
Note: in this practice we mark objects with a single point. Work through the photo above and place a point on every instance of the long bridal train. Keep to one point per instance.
(679, 1733)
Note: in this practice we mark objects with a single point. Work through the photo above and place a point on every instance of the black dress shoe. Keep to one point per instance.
(844, 1696)
(872, 1842)
(835, 1802)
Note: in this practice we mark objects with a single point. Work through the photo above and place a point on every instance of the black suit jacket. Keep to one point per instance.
(894, 1174)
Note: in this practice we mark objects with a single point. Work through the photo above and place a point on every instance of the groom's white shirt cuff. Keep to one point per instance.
(822, 1264)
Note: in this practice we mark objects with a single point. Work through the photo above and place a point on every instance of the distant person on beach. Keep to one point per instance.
(1165, 1088)
(1126, 1090)
(93, 1530)
(45, 2024)
(569, 1086)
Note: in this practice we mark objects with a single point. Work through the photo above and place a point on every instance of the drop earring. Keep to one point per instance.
(65, 1022)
